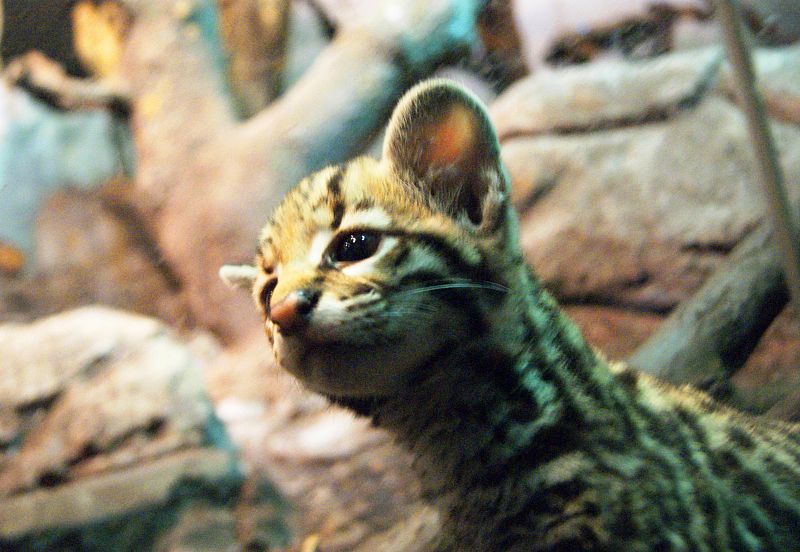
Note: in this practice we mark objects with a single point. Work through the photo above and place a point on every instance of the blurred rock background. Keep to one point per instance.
(144, 142)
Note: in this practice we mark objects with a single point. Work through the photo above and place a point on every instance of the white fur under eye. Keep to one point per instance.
(330, 310)
(318, 246)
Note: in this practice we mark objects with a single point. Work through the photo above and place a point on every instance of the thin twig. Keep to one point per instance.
(763, 144)
(48, 79)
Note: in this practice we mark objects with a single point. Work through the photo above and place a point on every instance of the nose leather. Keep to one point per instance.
(293, 310)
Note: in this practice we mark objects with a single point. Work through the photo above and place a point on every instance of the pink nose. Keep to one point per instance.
(293, 311)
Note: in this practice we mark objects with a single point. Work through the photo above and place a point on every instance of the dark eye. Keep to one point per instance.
(265, 295)
(354, 246)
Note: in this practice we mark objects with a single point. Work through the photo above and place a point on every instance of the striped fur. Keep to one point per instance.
(524, 436)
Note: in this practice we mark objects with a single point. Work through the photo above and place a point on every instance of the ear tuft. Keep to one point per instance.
(238, 276)
(441, 140)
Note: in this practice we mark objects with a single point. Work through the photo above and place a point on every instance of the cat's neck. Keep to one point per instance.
(475, 408)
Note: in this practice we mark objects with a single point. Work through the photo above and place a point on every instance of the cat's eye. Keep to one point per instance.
(354, 246)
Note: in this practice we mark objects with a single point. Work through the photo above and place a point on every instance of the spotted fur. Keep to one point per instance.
(524, 437)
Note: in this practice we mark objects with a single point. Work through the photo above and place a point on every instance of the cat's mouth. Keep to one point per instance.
(340, 335)
(349, 369)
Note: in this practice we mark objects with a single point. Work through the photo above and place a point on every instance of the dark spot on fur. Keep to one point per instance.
(629, 377)
(741, 438)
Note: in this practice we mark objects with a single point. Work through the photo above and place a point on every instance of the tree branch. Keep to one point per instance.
(706, 339)
(211, 182)
(763, 144)
(47, 78)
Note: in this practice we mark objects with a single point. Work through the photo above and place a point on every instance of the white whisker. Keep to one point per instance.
(458, 285)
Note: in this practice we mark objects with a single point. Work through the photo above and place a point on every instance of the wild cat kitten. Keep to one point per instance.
(397, 288)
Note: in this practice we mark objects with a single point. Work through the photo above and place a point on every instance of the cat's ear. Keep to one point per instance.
(441, 140)
(239, 276)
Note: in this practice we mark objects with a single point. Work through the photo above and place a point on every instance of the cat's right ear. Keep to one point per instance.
(441, 141)
(239, 276)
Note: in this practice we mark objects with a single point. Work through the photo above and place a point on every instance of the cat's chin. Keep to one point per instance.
(346, 370)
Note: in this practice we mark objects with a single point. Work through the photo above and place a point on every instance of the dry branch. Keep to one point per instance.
(709, 337)
(46, 78)
(770, 172)
(782, 105)
(705, 340)
(255, 33)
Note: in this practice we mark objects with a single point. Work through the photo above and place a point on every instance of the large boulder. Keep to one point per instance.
(635, 178)
(108, 440)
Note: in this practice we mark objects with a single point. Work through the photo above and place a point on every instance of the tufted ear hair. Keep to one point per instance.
(441, 140)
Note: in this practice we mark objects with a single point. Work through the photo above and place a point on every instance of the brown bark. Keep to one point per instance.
(48, 79)
(254, 33)
(499, 36)
(99, 31)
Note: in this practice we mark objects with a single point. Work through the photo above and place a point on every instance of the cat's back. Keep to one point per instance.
(737, 475)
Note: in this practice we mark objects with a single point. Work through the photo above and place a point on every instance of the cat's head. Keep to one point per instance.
(369, 271)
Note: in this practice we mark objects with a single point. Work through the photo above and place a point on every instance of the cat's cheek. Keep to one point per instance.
(289, 356)
(315, 365)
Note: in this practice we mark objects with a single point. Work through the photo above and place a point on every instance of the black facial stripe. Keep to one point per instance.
(364, 204)
(398, 256)
(452, 257)
(335, 197)
(265, 295)
(361, 289)
(457, 298)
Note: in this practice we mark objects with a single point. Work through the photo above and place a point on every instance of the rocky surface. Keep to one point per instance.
(90, 247)
(634, 179)
(107, 437)
(92, 241)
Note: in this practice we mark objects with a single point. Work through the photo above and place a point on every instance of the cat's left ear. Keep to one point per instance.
(239, 276)
(441, 140)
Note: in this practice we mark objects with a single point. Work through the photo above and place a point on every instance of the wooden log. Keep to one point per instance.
(706, 339)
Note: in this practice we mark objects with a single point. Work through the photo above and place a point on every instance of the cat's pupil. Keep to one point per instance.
(355, 246)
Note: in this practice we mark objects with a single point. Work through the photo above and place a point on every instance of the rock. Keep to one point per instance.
(85, 503)
(200, 529)
(330, 435)
(108, 439)
(761, 384)
(40, 359)
(616, 332)
(779, 20)
(305, 42)
(415, 533)
(12, 260)
(606, 93)
(92, 248)
(632, 188)
(9, 426)
(542, 23)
